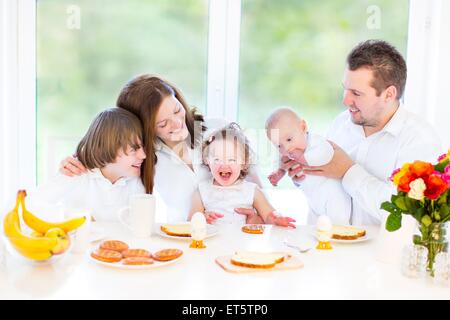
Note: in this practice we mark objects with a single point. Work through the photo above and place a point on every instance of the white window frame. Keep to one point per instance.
(223, 59)
(17, 96)
(428, 44)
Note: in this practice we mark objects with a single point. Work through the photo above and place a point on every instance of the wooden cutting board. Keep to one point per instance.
(289, 263)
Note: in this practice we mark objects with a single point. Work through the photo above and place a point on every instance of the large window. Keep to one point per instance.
(293, 54)
(88, 49)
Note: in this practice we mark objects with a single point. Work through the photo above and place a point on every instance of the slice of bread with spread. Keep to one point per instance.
(347, 232)
(177, 230)
(256, 259)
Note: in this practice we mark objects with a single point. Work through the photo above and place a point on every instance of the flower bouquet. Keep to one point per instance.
(422, 192)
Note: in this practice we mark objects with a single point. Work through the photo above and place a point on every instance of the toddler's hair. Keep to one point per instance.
(111, 130)
(230, 132)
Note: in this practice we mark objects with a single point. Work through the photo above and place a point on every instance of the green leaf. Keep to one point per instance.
(443, 198)
(441, 166)
(389, 207)
(417, 239)
(418, 214)
(394, 222)
(445, 212)
(401, 203)
(426, 220)
(412, 204)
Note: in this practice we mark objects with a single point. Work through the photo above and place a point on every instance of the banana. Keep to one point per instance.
(31, 247)
(42, 226)
(43, 243)
(37, 255)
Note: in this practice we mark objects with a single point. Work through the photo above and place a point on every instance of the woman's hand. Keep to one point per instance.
(211, 217)
(70, 166)
(251, 216)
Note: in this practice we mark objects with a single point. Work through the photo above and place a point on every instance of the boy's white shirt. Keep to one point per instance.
(90, 191)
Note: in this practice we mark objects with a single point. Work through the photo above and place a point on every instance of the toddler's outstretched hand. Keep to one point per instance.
(284, 221)
(211, 217)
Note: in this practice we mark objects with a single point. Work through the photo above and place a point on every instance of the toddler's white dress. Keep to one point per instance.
(224, 200)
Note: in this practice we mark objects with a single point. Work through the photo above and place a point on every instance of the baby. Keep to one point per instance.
(226, 152)
(289, 134)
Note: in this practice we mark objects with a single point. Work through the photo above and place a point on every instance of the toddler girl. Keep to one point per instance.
(226, 152)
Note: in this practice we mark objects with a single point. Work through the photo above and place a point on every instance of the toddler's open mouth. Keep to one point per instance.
(225, 174)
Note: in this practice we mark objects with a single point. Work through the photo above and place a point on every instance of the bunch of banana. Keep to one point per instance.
(42, 226)
(48, 239)
(35, 248)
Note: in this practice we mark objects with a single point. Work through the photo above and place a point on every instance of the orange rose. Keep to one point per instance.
(421, 168)
(404, 181)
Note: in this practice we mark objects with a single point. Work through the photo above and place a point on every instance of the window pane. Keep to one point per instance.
(293, 54)
(88, 49)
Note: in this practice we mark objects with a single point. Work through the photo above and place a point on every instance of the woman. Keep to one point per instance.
(172, 141)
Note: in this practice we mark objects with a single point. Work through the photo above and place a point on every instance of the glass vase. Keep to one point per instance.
(435, 239)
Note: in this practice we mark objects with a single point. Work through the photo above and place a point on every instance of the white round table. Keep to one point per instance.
(349, 271)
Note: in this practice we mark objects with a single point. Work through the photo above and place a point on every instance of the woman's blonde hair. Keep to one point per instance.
(232, 132)
(111, 130)
(143, 96)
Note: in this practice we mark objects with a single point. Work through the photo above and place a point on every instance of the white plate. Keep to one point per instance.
(120, 265)
(210, 232)
(366, 237)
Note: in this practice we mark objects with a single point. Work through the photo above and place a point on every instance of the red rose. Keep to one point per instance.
(435, 187)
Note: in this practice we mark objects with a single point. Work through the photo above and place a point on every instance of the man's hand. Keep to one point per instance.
(251, 216)
(294, 170)
(336, 168)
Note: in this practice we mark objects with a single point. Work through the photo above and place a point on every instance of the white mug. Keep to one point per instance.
(141, 215)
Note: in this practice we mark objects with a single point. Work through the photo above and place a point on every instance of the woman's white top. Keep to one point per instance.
(90, 191)
(224, 200)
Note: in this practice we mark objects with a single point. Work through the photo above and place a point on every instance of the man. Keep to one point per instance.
(376, 134)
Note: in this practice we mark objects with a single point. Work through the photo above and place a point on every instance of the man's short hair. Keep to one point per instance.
(387, 64)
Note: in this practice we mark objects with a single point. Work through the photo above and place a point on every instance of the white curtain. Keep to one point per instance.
(428, 84)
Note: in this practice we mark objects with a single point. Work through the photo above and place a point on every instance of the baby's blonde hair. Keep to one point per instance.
(230, 132)
(278, 114)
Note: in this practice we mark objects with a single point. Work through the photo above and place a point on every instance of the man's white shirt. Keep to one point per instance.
(405, 138)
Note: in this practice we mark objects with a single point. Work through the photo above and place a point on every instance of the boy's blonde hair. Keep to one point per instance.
(230, 132)
(111, 130)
